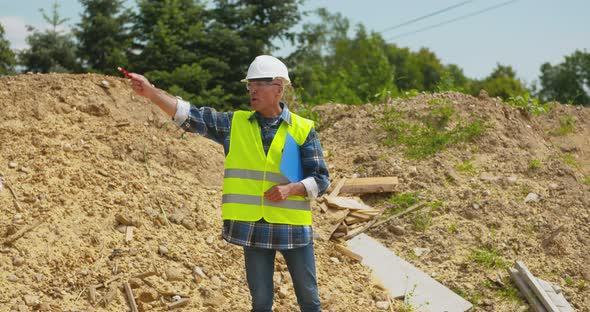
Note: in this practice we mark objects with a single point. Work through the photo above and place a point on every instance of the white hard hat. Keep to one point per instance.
(266, 66)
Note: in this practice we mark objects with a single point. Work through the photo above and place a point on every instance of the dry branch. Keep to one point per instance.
(130, 297)
(21, 232)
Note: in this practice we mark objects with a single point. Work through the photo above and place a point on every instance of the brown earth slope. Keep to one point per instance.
(76, 154)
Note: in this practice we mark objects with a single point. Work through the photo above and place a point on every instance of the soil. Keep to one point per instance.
(82, 157)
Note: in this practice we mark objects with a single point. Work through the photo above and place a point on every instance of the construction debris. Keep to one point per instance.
(542, 295)
(369, 185)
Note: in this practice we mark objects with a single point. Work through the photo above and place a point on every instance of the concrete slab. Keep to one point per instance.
(402, 279)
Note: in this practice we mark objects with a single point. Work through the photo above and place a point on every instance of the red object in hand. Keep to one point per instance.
(124, 72)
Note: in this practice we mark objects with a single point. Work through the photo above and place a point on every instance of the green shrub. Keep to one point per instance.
(566, 125)
(466, 167)
(430, 134)
(534, 164)
(528, 104)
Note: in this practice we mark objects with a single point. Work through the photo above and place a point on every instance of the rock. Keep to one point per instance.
(283, 292)
(121, 228)
(39, 277)
(177, 216)
(419, 252)
(553, 186)
(173, 274)
(335, 260)
(44, 307)
(532, 198)
(396, 229)
(412, 171)
(210, 240)
(512, 179)
(216, 281)
(12, 278)
(382, 305)
(135, 283)
(12, 165)
(25, 170)
(475, 206)
(486, 177)
(31, 300)
(148, 295)
(215, 301)
(199, 272)
(163, 250)
(105, 84)
(67, 147)
(188, 224)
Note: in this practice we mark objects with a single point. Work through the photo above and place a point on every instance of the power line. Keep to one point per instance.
(454, 19)
(426, 16)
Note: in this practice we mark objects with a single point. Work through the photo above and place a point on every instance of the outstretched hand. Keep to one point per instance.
(142, 85)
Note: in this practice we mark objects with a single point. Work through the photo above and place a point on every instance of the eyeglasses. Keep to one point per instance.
(260, 84)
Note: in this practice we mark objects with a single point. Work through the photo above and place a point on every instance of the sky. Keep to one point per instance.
(521, 33)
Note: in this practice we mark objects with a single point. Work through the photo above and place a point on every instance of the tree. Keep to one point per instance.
(329, 66)
(103, 35)
(7, 57)
(51, 50)
(501, 82)
(567, 82)
(204, 53)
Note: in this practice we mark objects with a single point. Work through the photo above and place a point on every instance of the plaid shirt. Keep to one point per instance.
(216, 126)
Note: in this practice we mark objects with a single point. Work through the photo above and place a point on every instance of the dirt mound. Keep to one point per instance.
(84, 157)
(78, 150)
(494, 200)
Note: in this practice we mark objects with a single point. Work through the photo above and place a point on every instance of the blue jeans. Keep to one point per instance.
(260, 267)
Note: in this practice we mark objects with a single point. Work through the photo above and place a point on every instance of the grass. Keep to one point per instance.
(453, 228)
(423, 219)
(534, 164)
(566, 125)
(587, 180)
(430, 133)
(474, 296)
(466, 167)
(570, 160)
(489, 258)
(402, 202)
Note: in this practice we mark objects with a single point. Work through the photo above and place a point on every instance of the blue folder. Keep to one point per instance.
(291, 160)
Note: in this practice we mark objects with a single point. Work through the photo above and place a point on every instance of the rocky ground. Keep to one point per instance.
(83, 162)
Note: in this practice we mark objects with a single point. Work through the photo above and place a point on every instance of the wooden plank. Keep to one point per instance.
(526, 290)
(339, 202)
(323, 207)
(129, 233)
(178, 304)
(336, 189)
(369, 185)
(352, 220)
(92, 294)
(361, 216)
(402, 278)
(347, 252)
(130, 298)
(536, 287)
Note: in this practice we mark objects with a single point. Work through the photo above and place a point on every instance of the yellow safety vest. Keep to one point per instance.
(249, 173)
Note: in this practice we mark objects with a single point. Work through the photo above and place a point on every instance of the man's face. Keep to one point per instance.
(264, 93)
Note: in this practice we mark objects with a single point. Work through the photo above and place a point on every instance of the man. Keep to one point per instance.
(274, 166)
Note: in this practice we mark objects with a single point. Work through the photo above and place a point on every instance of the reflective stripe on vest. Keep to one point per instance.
(249, 172)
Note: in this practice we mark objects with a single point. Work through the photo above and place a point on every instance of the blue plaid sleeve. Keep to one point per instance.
(209, 123)
(312, 161)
